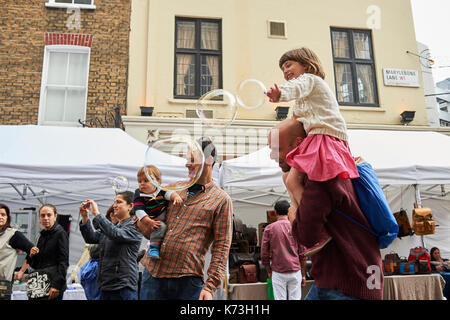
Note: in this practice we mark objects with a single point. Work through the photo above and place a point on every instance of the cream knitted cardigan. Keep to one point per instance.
(315, 106)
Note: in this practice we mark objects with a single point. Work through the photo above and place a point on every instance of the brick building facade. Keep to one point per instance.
(28, 27)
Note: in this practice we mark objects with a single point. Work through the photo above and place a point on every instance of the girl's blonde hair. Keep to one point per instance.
(305, 57)
(153, 171)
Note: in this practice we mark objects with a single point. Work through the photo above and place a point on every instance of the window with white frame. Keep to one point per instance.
(64, 85)
(83, 4)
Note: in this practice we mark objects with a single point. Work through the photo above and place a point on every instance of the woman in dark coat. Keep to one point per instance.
(53, 254)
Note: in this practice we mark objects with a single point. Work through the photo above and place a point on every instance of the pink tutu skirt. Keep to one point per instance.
(323, 157)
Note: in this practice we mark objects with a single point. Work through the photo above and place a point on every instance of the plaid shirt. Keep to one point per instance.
(204, 219)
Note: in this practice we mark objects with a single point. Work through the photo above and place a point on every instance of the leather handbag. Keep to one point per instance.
(392, 256)
(391, 264)
(423, 223)
(404, 227)
(407, 268)
(248, 273)
(238, 258)
(388, 268)
(238, 229)
(5, 290)
(271, 216)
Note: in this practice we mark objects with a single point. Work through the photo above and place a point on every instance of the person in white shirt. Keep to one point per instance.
(324, 154)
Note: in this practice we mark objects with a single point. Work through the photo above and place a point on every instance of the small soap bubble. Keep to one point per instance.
(120, 184)
(217, 108)
(251, 94)
(174, 164)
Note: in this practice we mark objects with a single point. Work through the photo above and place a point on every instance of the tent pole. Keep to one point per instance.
(34, 194)
(17, 190)
(419, 205)
(432, 187)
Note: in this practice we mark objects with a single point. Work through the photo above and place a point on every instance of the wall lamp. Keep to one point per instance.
(282, 112)
(407, 117)
(146, 111)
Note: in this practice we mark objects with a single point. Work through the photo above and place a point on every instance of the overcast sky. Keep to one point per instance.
(432, 24)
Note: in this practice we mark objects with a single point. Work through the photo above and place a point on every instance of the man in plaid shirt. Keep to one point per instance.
(203, 221)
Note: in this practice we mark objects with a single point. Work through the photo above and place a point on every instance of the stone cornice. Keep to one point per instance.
(167, 122)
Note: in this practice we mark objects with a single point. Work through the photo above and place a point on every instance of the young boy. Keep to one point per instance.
(151, 201)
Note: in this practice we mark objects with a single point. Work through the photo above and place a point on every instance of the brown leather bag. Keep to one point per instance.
(423, 223)
(271, 216)
(404, 227)
(5, 290)
(248, 273)
(391, 263)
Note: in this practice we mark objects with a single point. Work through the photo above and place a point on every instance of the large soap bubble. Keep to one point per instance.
(174, 164)
(217, 108)
(120, 184)
(251, 94)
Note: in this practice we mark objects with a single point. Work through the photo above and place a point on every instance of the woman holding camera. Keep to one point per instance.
(119, 245)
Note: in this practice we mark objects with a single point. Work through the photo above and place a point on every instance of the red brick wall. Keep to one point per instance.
(23, 26)
(72, 39)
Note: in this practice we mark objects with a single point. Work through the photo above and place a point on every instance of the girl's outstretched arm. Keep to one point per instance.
(274, 94)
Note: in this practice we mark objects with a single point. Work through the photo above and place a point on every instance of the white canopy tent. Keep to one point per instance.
(401, 159)
(65, 165)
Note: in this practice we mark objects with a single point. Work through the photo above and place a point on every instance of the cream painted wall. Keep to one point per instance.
(137, 68)
(249, 53)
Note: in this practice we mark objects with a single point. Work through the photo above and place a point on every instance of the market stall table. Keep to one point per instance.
(401, 287)
(414, 287)
(73, 292)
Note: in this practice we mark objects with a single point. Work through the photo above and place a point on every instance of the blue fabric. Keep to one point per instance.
(88, 279)
(326, 294)
(183, 288)
(446, 290)
(374, 205)
(153, 251)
